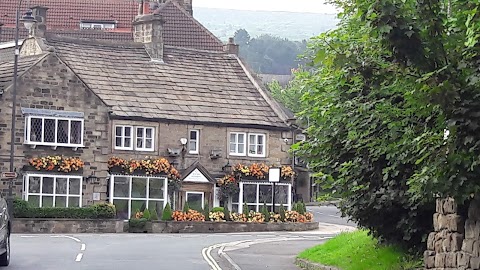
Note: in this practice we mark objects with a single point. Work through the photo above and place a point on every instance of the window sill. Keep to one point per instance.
(54, 146)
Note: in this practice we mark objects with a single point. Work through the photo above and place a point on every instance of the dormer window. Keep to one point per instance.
(98, 25)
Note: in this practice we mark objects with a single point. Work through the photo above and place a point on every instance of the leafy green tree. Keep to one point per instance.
(242, 37)
(385, 87)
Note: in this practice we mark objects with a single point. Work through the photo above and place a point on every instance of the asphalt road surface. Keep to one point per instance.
(246, 251)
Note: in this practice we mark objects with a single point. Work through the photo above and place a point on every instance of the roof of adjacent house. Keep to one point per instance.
(194, 86)
(64, 16)
(6, 69)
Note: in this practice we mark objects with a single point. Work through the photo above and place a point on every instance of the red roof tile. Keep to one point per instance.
(64, 16)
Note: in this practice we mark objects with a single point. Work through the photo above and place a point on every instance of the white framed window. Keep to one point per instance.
(144, 138)
(193, 141)
(196, 200)
(255, 194)
(43, 190)
(238, 144)
(256, 145)
(132, 193)
(138, 138)
(54, 131)
(123, 137)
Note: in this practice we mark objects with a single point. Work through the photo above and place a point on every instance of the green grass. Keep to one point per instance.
(358, 251)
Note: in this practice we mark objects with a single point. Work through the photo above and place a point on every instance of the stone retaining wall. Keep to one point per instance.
(26, 225)
(65, 226)
(228, 227)
(455, 243)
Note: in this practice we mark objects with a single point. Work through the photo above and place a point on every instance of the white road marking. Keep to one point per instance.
(67, 236)
(79, 257)
(28, 236)
(83, 247)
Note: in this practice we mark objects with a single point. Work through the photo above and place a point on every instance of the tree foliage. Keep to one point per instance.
(386, 85)
(267, 54)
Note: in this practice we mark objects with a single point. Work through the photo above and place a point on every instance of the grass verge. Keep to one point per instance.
(359, 251)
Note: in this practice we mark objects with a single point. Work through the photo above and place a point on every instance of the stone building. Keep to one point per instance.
(94, 102)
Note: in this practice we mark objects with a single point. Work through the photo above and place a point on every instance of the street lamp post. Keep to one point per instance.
(28, 21)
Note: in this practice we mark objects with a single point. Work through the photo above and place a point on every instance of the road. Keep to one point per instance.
(271, 250)
(328, 214)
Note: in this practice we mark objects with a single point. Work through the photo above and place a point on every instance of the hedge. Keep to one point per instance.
(21, 209)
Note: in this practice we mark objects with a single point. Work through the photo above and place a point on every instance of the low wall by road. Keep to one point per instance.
(228, 227)
(27, 225)
(66, 226)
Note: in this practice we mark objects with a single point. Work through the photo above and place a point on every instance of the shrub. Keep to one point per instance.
(301, 209)
(282, 213)
(245, 210)
(265, 212)
(217, 209)
(21, 209)
(137, 223)
(104, 210)
(226, 214)
(147, 215)
(186, 207)
(154, 215)
(206, 212)
(167, 213)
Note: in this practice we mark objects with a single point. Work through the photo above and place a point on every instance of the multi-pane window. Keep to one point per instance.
(144, 138)
(193, 142)
(255, 145)
(237, 144)
(123, 137)
(54, 131)
(136, 193)
(254, 195)
(138, 138)
(53, 190)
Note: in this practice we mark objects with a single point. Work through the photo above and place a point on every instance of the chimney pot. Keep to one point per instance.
(231, 47)
(40, 15)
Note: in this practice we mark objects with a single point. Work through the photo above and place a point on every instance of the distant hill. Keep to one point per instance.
(294, 26)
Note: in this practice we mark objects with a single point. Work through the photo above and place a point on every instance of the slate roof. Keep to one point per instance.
(6, 69)
(192, 85)
(64, 16)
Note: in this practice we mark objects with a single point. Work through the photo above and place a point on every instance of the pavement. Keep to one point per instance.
(267, 250)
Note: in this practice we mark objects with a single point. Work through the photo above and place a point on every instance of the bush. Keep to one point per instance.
(137, 223)
(147, 215)
(167, 213)
(226, 214)
(265, 212)
(301, 208)
(245, 210)
(186, 207)
(282, 213)
(104, 210)
(154, 215)
(22, 209)
(217, 209)
(206, 212)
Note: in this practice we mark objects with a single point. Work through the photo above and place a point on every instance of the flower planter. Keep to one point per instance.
(139, 226)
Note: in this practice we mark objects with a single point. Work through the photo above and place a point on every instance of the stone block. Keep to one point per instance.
(467, 246)
(436, 225)
(442, 222)
(476, 248)
(455, 223)
(470, 229)
(438, 246)
(456, 242)
(446, 245)
(463, 259)
(449, 206)
(474, 210)
(439, 206)
(475, 263)
(429, 259)
(431, 241)
(451, 260)
(440, 260)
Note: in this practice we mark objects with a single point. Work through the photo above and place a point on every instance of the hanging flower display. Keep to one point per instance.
(57, 163)
(143, 167)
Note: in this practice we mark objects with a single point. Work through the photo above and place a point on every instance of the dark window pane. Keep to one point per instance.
(118, 131)
(73, 202)
(61, 187)
(121, 187)
(74, 187)
(139, 187)
(49, 130)
(47, 201)
(76, 132)
(250, 193)
(36, 130)
(47, 185)
(121, 206)
(118, 141)
(195, 201)
(265, 194)
(34, 200)
(156, 188)
(34, 184)
(62, 131)
(60, 201)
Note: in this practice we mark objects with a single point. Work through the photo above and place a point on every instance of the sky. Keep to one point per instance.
(316, 6)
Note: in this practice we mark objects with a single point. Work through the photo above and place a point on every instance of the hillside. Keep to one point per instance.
(293, 26)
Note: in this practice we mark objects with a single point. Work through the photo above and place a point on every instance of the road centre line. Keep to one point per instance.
(83, 247)
(79, 257)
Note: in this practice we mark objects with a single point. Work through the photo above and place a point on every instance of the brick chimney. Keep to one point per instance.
(148, 29)
(188, 6)
(40, 27)
(231, 47)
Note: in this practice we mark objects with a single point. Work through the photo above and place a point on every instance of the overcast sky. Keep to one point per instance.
(316, 6)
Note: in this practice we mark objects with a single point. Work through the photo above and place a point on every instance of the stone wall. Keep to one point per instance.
(25, 225)
(455, 243)
(228, 227)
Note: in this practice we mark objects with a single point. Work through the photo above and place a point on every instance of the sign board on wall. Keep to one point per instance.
(196, 176)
